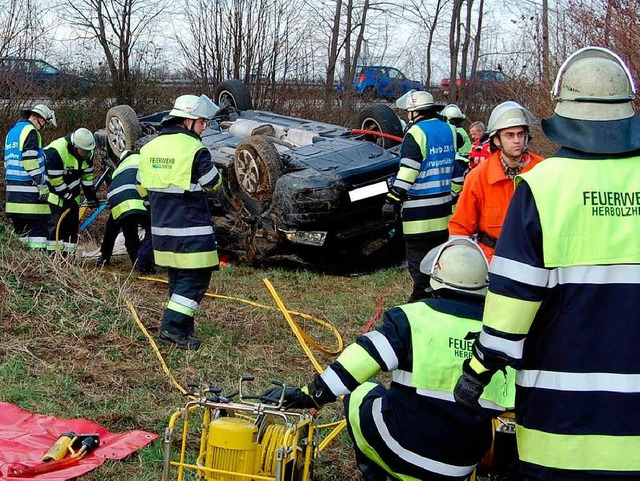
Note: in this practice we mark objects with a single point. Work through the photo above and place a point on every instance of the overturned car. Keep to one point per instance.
(293, 189)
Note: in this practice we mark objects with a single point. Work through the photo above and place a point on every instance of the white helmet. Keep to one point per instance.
(83, 139)
(594, 75)
(509, 114)
(43, 111)
(415, 100)
(459, 264)
(452, 112)
(193, 107)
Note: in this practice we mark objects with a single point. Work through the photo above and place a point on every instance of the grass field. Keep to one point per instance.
(69, 347)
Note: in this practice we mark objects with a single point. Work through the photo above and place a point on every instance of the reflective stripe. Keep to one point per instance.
(333, 382)
(401, 184)
(513, 349)
(73, 184)
(427, 225)
(182, 231)
(177, 190)
(184, 301)
(410, 163)
(384, 348)
(509, 315)
(519, 271)
(405, 378)
(191, 260)
(33, 209)
(580, 451)
(120, 189)
(411, 457)
(60, 188)
(87, 183)
(613, 274)
(21, 188)
(208, 177)
(580, 381)
(56, 172)
(407, 204)
(29, 153)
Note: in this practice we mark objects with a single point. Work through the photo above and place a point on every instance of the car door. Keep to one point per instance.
(394, 86)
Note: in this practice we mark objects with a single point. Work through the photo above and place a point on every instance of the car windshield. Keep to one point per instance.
(44, 67)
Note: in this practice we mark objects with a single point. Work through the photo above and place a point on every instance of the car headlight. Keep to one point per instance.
(310, 237)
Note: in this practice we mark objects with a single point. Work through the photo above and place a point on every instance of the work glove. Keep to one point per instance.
(391, 210)
(92, 199)
(43, 192)
(470, 387)
(294, 398)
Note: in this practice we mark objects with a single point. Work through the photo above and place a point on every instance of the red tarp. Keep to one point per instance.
(25, 437)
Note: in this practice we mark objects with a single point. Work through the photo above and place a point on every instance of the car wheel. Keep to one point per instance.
(380, 118)
(257, 166)
(233, 93)
(123, 128)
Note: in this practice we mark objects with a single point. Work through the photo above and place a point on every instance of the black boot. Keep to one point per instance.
(184, 341)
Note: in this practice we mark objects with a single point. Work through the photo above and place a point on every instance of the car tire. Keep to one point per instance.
(256, 168)
(380, 118)
(233, 93)
(123, 128)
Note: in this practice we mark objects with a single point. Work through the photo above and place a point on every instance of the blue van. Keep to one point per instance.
(380, 81)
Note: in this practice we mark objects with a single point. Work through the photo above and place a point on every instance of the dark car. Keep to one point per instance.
(380, 81)
(293, 189)
(481, 80)
(25, 77)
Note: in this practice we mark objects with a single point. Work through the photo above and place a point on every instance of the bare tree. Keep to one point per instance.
(119, 26)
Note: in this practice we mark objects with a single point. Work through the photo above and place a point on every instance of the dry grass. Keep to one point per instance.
(69, 348)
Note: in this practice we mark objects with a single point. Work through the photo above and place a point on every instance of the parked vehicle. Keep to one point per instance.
(482, 79)
(26, 77)
(293, 189)
(380, 81)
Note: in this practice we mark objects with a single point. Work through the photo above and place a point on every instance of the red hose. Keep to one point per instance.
(376, 315)
(377, 134)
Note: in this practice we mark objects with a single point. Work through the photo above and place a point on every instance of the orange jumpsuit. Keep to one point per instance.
(483, 202)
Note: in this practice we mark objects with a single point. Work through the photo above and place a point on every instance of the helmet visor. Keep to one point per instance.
(204, 108)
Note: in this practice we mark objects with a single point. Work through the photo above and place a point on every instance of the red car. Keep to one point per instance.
(481, 77)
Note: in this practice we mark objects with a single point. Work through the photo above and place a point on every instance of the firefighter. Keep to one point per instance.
(565, 284)
(489, 187)
(128, 214)
(414, 429)
(69, 166)
(25, 180)
(454, 116)
(422, 187)
(177, 171)
(481, 147)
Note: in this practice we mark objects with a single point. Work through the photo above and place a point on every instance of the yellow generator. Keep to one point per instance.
(221, 440)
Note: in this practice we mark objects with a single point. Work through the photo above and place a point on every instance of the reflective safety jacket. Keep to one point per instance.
(66, 174)
(423, 181)
(480, 151)
(483, 202)
(563, 307)
(175, 168)
(465, 148)
(123, 197)
(419, 430)
(24, 171)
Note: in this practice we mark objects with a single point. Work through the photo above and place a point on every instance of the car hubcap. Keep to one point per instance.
(226, 99)
(371, 124)
(247, 171)
(117, 137)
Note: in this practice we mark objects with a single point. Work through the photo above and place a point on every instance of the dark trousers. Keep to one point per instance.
(186, 287)
(66, 234)
(416, 250)
(33, 230)
(140, 252)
